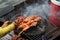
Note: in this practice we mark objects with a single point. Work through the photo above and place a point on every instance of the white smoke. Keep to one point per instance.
(37, 9)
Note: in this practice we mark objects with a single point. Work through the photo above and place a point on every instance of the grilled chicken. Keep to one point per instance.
(19, 20)
(29, 22)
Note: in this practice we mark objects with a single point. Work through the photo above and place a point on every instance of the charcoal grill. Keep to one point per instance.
(27, 8)
(20, 10)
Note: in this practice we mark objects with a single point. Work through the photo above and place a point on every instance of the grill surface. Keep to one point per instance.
(28, 8)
